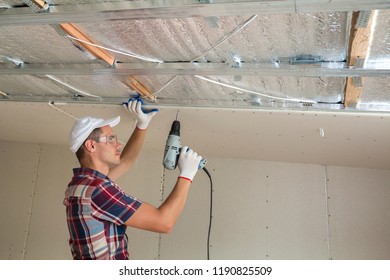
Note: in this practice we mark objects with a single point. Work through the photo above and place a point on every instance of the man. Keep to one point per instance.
(98, 210)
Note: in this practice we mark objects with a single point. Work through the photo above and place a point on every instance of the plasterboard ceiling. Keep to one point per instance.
(234, 54)
(325, 138)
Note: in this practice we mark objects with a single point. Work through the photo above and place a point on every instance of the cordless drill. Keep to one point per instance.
(173, 148)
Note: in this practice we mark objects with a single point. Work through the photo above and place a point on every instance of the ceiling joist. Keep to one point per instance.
(361, 32)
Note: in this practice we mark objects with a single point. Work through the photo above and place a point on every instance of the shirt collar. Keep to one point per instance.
(80, 171)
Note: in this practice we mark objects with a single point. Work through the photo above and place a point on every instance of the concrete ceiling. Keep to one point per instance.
(267, 73)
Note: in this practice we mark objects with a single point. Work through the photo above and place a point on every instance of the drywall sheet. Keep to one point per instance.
(34, 178)
(359, 212)
(18, 172)
(261, 210)
(275, 135)
(48, 233)
(144, 181)
(188, 240)
(296, 211)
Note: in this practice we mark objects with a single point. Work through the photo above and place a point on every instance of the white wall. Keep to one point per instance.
(261, 210)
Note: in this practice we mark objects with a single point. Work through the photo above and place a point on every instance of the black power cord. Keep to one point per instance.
(211, 212)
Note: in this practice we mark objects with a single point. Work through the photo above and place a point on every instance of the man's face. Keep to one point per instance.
(108, 148)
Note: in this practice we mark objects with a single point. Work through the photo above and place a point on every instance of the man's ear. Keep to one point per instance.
(90, 145)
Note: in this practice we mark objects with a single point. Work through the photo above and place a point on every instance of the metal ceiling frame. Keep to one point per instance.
(178, 9)
(325, 69)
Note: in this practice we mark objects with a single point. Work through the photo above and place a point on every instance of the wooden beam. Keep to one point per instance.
(132, 82)
(40, 3)
(74, 31)
(358, 50)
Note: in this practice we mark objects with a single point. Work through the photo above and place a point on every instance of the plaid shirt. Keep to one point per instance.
(96, 210)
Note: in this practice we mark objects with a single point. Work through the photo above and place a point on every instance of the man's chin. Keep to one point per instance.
(113, 164)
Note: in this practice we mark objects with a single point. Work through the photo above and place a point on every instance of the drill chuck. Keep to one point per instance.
(175, 128)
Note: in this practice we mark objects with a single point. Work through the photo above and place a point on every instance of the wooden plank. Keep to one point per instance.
(74, 31)
(358, 48)
(132, 82)
(40, 3)
(352, 94)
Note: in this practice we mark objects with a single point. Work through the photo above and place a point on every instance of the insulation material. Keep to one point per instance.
(266, 38)
(327, 89)
(261, 40)
(380, 47)
(75, 2)
(30, 86)
(40, 44)
(375, 92)
(248, 90)
(60, 2)
(9, 3)
(165, 39)
(99, 86)
(258, 40)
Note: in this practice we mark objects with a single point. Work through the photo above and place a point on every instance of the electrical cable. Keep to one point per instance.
(211, 212)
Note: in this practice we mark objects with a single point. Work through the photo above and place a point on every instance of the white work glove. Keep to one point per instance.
(188, 163)
(143, 117)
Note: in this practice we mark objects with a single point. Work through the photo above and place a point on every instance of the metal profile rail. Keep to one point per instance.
(177, 9)
(324, 69)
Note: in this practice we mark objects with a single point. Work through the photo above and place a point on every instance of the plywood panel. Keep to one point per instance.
(18, 164)
(359, 211)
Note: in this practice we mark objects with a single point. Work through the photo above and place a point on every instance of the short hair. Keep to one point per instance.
(95, 135)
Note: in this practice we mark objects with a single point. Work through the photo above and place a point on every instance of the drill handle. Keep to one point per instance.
(202, 163)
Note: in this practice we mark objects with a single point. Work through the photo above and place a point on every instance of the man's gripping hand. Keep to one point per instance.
(143, 116)
(188, 163)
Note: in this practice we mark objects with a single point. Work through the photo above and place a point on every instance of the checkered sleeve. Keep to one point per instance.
(110, 203)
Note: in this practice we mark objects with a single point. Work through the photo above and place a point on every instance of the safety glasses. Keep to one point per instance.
(109, 139)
